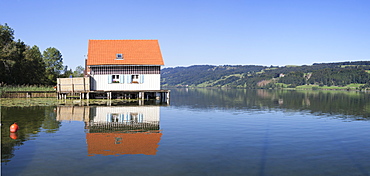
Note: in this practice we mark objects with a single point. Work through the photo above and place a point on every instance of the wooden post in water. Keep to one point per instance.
(141, 95)
(109, 95)
(168, 97)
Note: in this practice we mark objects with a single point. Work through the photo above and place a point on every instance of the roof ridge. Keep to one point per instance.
(123, 39)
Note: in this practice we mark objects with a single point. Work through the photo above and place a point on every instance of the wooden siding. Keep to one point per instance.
(79, 84)
(106, 70)
(73, 113)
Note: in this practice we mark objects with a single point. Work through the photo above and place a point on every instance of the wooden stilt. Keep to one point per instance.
(168, 97)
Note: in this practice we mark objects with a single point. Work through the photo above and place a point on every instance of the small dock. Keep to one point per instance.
(79, 88)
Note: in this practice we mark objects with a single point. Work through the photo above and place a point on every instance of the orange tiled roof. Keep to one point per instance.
(129, 143)
(135, 52)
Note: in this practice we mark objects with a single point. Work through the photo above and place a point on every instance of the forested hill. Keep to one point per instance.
(254, 76)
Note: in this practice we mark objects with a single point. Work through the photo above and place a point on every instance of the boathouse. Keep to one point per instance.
(124, 69)
(115, 65)
(116, 130)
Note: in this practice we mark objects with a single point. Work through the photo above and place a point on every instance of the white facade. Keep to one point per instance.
(119, 82)
(127, 114)
(106, 114)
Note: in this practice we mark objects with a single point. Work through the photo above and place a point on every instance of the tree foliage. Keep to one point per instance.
(340, 76)
(35, 66)
(79, 71)
(54, 64)
(251, 76)
(23, 64)
(201, 74)
(293, 78)
(7, 51)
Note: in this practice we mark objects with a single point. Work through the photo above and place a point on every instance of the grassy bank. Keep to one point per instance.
(354, 87)
(27, 102)
(8, 88)
(316, 87)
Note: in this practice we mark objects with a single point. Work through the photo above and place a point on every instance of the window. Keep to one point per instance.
(135, 79)
(119, 56)
(133, 117)
(115, 78)
(136, 117)
(114, 118)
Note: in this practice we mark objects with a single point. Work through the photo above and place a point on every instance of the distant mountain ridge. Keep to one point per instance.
(255, 76)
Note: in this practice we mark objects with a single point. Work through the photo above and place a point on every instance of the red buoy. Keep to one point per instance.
(13, 136)
(14, 128)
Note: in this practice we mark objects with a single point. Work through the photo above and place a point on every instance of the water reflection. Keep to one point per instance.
(73, 113)
(117, 130)
(343, 104)
(31, 121)
(208, 132)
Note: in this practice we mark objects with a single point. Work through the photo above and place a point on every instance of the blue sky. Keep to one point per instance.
(233, 32)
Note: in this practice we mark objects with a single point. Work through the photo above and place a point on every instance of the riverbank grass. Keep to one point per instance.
(8, 88)
(316, 87)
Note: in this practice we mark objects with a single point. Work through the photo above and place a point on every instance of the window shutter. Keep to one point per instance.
(121, 79)
(141, 119)
(108, 118)
(141, 79)
(109, 79)
(125, 118)
(129, 78)
(121, 117)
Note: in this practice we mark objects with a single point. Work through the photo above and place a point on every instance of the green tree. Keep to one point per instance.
(19, 64)
(293, 78)
(66, 72)
(7, 48)
(79, 72)
(6, 35)
(54, 64)
(17, 71)
(34, 66)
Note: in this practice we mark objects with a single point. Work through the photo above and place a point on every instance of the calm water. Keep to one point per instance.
(202, 132)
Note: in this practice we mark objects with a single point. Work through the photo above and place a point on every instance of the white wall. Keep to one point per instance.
(101, 82)
(147, 113)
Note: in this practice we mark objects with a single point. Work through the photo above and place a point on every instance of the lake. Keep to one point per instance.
(201, 132)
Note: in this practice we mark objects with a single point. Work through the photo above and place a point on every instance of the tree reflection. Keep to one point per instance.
(353, 105)
(31, 121)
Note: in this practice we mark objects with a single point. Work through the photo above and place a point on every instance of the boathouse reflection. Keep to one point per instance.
(117, 130)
